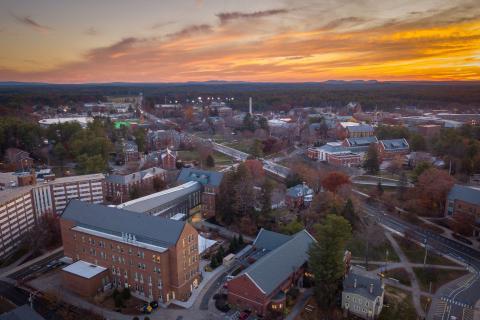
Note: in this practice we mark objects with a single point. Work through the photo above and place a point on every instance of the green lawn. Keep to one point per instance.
(400, 274)
(376, 252)
(398, 305)
(415, 253)
(436, 276)
(242, 145)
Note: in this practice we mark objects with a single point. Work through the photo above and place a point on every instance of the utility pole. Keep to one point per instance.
(425, 257)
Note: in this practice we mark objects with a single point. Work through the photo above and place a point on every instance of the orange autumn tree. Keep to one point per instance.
(334, 181)
(432, 190)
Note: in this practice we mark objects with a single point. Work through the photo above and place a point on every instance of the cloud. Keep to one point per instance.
(426, 46)
(191, 30)
(91, 31)
(226, 17)
(161, 25)
(29, 22)
(343, 22)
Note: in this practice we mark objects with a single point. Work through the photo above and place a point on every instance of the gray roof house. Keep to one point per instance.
(276, 264)
(394, 144)
(363, 293)
(206, 178)
(21, 313)
(360, 144)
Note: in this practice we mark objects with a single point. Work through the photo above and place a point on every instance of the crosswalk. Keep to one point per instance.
(444, 305)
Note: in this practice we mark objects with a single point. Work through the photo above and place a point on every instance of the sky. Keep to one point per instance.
(73, 41)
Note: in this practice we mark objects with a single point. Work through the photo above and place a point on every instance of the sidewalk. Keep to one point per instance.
(300, 304)
(208, 278)
(416, 292)
(447, 233)
(31, 262)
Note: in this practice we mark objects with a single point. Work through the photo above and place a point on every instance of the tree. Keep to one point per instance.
(326, 258)
(248, 123)
(60, 152)
(214, 261)
(210, 162)
(463, 223)
(255, 167)
(395, 165)
(348, 212)
(158, 184)
(292, 227)
(266, 197)
(402, 186)
(140, 139)
(380, 188)
(372, 162)
(233, 247)
(432, 190)
(419, 169)
(417, 142)
(256, 149)
(241, 242)
(293, 179)
(134, 192)
(334, 180)
(126, 294)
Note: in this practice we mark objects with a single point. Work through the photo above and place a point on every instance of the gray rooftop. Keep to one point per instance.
(205, 177)
(362, 141)
(289, 256)
(364, 281)
(152, 201)
(465, 193)
(299, 190)
(360, 128)
(134, 177)
(395, 144)
(21, 313)
(270, 240)
(114, 221)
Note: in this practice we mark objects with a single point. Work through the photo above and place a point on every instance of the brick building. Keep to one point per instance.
(345, 159)
(53, 196)
(156, 258)
(210, 181)
(429, 130)
(18, 159)
(353, 130)
(17, 216)
(119, 186)
(465, 199)
(389, 149)
(165, 159)
(279, 266)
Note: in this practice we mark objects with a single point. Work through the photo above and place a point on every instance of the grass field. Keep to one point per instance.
(437, 277)
(398, 304)
(376, 252)
(415, 253)
(400, 274)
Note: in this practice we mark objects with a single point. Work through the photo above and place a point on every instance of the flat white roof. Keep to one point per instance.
(178, 216)
(84, 269)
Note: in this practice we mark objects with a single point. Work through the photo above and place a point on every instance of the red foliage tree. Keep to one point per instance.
(463, 223)
(432, 190)
(334, 180)
(255, 167)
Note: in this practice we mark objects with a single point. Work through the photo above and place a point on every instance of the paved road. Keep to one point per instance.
(458, 301)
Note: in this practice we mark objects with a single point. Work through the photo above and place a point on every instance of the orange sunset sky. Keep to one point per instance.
(73, 41)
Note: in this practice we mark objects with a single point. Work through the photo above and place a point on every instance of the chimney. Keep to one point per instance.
(355, 283)
(250, 108)
(371, 288)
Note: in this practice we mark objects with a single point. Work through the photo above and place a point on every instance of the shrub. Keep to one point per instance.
(126, 294)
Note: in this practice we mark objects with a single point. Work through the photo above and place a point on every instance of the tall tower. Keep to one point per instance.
(250, 108)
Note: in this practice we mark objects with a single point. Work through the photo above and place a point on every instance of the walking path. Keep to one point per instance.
(416, 292)
(298, 307)
(395, 265)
